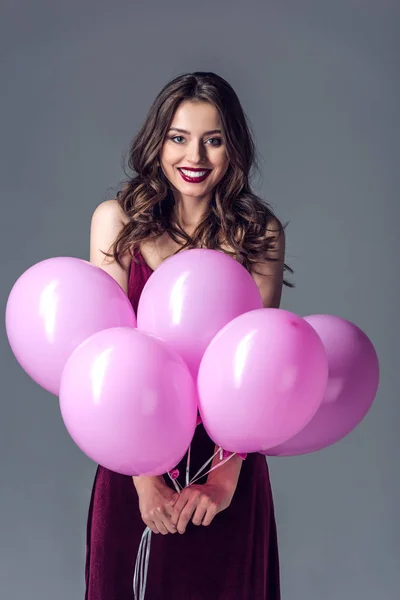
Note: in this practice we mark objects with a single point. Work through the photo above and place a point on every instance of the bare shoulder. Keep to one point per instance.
(107, 222)
(110, 212)
(268, 274)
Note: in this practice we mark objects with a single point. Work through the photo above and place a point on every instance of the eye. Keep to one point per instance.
(175, 137)
(218, 140)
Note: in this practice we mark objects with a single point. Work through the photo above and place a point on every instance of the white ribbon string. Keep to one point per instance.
(188, 466)
(142, 565)
(204, 466)
(212, 469)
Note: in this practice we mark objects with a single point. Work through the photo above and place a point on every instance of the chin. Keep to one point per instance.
(193, 194)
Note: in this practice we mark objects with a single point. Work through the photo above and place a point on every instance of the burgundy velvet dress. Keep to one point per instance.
(235, 558)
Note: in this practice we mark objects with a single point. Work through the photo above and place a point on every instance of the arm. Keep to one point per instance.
(268, 275)
(269, 279)
(155, 497)
(200, 503)
(107, 221)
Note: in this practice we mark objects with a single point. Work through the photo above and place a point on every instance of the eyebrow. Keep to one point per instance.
(188, 132)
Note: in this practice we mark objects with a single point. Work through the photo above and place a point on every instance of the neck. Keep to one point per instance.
(190, 211)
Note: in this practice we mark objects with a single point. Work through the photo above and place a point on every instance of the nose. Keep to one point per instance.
(196, 152)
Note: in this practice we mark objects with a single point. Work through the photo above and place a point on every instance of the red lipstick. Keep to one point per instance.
(190, 179)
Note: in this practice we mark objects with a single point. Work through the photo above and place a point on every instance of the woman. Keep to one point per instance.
(191, 163)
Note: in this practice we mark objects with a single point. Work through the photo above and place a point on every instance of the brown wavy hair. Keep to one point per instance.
(236, 218)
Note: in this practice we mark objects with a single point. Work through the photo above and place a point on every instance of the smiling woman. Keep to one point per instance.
(196, 122)
(191, 163)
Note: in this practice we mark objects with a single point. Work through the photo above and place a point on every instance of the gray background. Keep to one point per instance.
(320, 83)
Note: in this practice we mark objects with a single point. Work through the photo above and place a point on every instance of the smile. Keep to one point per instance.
(194, 176)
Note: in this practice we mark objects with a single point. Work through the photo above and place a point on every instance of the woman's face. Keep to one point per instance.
(193, 156)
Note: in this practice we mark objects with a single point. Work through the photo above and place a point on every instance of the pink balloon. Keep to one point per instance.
(191, 296)
(261, 380)
(129, 402)
(53, 307)
(352, 386)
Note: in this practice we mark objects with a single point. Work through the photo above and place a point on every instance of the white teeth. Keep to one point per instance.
(193, 173)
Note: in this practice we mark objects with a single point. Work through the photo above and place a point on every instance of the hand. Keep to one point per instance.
(156, 502)
(200, 503)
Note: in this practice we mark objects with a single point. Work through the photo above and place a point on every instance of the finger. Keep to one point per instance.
(174, 498)
(209, 516)
(168, 524)
(177, 508)
(199, 514)
(171, 528)
(151, 525)
(168, 513)
(154, 520)
(169, 506)
(160, 526)
(186, 515)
